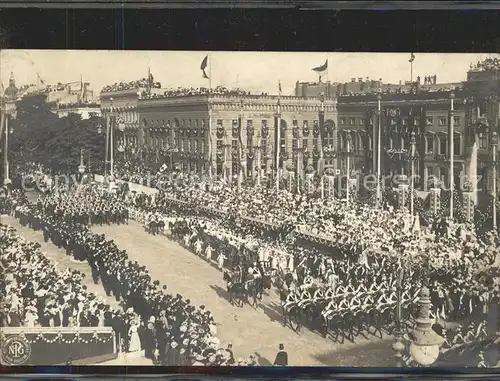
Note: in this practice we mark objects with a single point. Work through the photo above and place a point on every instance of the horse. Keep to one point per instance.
(236, 290)
(291, 316)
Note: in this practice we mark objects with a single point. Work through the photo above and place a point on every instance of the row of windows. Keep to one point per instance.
(264, 122)
(441, 144)
(429, 121)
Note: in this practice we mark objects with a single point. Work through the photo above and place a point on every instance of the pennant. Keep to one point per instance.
(322, 67)
(203, 66)
(412, 58)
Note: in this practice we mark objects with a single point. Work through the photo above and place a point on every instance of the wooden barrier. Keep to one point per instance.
(57, 346)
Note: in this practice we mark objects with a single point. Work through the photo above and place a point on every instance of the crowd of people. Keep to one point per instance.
(169, 329)
(181, 92)
(311, 241)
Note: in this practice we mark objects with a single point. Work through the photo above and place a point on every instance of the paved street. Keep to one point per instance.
(249, 330)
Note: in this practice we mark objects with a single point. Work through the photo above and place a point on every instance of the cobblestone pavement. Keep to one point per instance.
(249, 330)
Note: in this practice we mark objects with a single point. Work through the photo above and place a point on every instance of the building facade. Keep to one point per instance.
(120, 108)
(239, 133)
(422, 109)
(85, 111)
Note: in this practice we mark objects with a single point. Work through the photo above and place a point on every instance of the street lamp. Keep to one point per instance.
(81, 167)
(494, 147)
(424, 342)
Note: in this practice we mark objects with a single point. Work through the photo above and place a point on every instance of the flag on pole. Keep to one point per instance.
(279, 87)
(321, 68)
(412, 58)
(203, 66)
(150, 80)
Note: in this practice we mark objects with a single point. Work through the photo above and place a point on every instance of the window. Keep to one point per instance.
(429, 121)
(416, 121)
(294, 144)
(361, 121)
(315, 142)
(295, 123)
(370, 121)
(456, 145)
(430, 144)
(442, 120)
(456, 120)
(342, 121)
(235, 143)
(305, 143)
(405, 121)
(393, 121)
(352, 121)
(483, 141)
(219, 143)
(219, 122)
(263, 144)
(443, 149)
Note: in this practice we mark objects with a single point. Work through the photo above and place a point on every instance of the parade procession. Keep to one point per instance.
(190, 222)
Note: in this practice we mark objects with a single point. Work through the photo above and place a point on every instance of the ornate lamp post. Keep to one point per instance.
(81, 167)
(424, 342)
(494, 147)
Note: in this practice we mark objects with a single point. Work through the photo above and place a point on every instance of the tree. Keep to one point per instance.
(40, 136)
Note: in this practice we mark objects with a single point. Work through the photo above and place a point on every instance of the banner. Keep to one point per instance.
(56, 346)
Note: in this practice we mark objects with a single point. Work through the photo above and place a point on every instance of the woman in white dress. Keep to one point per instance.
(220, 260)
(134, 341)
(30, 317)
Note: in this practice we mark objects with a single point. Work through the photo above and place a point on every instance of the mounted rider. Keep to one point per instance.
(290, 301)
(305, 298)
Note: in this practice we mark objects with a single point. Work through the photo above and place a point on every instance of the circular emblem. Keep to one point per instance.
(16, 350)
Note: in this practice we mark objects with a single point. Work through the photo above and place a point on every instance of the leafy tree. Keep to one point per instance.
(40, 136)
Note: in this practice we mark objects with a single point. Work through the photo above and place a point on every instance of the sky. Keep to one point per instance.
(251, 71)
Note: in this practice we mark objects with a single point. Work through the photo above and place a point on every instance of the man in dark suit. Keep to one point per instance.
(281, 357)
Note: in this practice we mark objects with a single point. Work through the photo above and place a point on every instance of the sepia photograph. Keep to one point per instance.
(226, 208)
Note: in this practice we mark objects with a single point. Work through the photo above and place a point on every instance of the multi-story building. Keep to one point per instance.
(119, 106)
(238, 131)
(424, 110)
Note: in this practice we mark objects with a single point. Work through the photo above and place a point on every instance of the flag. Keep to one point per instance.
(203, 66)
(321, 68)
(279, 87)
(412, 58)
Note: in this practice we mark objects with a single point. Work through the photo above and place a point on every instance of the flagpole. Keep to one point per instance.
(278, 139)
(240, 173)
(209, 117)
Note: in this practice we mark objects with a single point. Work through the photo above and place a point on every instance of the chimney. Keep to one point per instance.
(360, 79)
(400, 83)
(353, 79)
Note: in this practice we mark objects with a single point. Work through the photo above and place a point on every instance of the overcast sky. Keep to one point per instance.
(253, 71)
